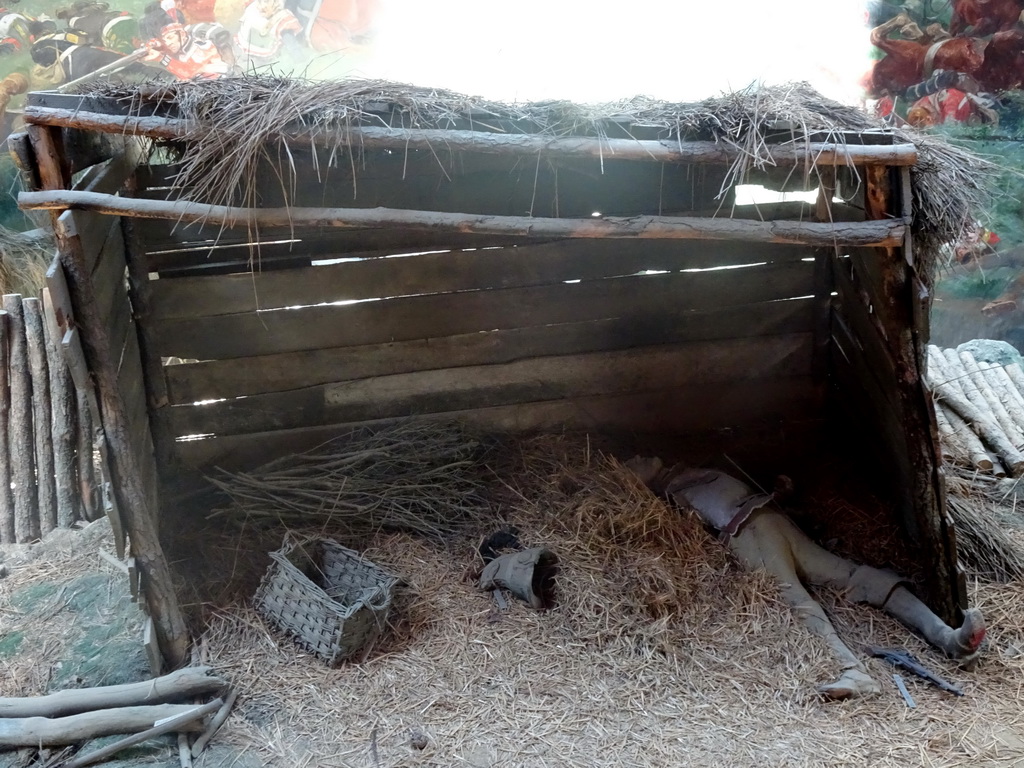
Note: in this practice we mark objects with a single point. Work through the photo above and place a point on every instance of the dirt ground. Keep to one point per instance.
(660, 650)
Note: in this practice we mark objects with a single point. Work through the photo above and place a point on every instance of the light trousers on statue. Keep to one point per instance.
(770, 540)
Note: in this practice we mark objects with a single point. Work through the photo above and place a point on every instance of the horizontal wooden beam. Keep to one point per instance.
(537, 379)
(215, 379)
(683, 410)
(883, 233)
(445, 272)
(662, 151)
(250, 334)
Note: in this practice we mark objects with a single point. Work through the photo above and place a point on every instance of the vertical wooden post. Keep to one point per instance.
(62, 418)
(88, 488)
(139, 517)
(152, 366)
(824, 281)
(904, 319)
(19, 429)
(41, 425)
(47, 144)
(7, 531)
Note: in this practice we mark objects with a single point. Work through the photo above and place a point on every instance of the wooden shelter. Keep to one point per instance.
(394, 252)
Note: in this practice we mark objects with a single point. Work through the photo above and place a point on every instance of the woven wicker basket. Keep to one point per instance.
(330, 600)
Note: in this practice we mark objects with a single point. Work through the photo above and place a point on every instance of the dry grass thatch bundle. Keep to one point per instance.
(415, 476)
(24, 258)
(661, 563)
(235, 124)
(983, 517)
(659, 651)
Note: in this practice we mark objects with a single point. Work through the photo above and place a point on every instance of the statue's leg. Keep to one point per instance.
(764, 543)
(963, 643)
(885, 590)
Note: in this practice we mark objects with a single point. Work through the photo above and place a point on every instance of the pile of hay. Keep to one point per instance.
(660, 650)
(236, 124)
(24, 259)
(417, 476)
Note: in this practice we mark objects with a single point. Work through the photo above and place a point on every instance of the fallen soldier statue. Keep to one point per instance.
(764, 537)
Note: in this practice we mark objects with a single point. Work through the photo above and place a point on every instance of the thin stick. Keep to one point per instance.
(184, 751)
(215, 724)
(166, 726)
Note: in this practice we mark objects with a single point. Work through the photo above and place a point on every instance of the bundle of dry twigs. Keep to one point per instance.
(976, 503)
(24, 258)
(415, 476)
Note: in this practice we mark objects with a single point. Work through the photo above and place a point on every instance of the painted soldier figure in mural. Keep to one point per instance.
(267, 29)
(102, 26)
(186, 51)
(765, 538)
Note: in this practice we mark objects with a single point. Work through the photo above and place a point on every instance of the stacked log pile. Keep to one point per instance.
(43, 484)
(979, 409)
(144, 710)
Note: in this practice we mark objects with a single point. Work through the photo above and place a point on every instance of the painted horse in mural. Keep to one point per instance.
(984, 17)
(990, 64)
(911, 61)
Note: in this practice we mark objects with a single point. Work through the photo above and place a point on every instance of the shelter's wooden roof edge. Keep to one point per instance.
(391, 114)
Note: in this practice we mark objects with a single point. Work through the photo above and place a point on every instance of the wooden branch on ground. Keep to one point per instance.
(1006, 390)
(46, 490)
(214, 726)
(59, 731)
(976, 454)
(184, 683)
(882, 233)
(184, 751)
(954, 449)
(184, 721)
(19, 434)
(403, 139)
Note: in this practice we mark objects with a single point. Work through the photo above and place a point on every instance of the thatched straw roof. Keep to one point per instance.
(234, 120)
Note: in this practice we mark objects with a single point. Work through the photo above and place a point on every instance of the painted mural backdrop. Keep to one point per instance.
(44, 44)
(957, 66)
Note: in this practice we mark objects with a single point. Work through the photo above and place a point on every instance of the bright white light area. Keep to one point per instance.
(574, 49)
(727, 266)
(755, 194)
(342, 259)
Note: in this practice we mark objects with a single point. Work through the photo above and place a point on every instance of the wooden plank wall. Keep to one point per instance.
(466, 182)
(641, 336)
(103, 243)
(865, 372)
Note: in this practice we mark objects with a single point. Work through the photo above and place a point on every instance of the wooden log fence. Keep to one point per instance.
(43, 465)
(7, 530)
